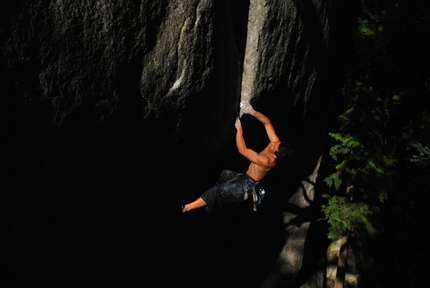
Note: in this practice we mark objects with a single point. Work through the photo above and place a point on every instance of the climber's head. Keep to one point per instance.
(284, 151)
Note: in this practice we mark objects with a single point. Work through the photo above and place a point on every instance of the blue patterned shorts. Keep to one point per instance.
(232, 188)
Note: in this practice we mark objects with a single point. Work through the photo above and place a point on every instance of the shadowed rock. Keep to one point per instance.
(134, 102)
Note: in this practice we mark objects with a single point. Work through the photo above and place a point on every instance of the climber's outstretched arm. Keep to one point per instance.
(270, 130)
(250, 154)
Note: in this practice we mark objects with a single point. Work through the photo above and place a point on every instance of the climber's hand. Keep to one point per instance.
(246, 107)
(238, 124)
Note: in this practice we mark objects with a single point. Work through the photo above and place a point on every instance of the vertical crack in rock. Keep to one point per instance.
(258, 10)
(286, 44)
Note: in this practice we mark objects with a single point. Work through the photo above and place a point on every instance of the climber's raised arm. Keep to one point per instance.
(241, 186)
(250, 154)
(270, 130)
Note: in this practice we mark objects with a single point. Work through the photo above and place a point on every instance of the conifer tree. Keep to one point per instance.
(382, 139)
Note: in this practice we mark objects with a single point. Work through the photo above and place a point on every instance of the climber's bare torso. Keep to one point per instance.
(266, 161)
(261, 163)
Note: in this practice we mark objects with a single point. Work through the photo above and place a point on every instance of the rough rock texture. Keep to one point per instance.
(289, 54)
(111, 110)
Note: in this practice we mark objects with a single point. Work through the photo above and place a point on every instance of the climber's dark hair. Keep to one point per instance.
(284, 151)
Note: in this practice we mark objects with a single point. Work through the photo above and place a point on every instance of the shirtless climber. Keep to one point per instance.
(233, 187)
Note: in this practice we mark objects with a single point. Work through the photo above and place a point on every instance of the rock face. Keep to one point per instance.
(301, 30)
(124, 106)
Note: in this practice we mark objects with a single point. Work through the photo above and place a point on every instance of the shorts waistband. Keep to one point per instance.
(250, 179)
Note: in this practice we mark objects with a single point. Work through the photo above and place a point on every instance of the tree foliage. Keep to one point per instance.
(347, 216)
(381, 143)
